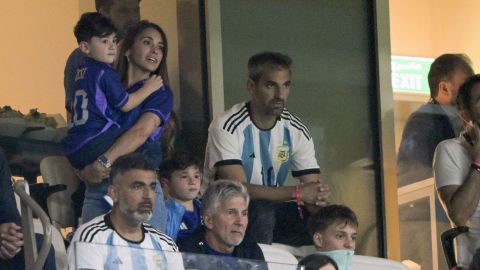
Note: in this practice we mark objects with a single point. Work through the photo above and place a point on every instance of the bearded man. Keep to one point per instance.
(121, 238)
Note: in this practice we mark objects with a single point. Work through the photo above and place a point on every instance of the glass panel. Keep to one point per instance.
(415, 232)
(422, 221)
(103, 256)
(333, 86)
(417, 42)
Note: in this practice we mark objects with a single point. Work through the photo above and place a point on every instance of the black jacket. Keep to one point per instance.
(195, 243)
(424, 130)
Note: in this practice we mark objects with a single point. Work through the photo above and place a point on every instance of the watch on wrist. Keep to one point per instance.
(104, 161)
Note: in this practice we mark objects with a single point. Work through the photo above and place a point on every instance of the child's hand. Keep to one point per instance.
(153, 83)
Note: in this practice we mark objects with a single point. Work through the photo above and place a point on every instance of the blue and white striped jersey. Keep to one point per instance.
(97, 245)
(266, 155)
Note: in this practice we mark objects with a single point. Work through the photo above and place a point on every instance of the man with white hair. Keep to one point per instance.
(225, 219)
(128, 242)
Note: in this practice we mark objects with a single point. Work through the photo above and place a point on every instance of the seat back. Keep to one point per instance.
(57, 170)
(360, 262)
(298, 252)
(278, 258)
(33, 260)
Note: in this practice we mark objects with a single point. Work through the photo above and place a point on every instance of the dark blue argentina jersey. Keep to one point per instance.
(159, 102)
(96, 101)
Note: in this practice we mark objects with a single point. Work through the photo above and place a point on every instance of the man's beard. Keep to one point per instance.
(277, 107)
(135, 215)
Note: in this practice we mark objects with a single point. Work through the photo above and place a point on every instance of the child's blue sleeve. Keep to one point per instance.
(113, 89)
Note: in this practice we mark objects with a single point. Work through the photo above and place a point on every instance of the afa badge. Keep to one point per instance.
(282, 153)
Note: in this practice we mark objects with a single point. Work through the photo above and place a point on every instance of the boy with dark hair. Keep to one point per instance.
(123, 13)
(334, 231)
(180, 177)
(98, 96)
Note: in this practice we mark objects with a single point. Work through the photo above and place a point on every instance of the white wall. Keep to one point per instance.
(37, 37)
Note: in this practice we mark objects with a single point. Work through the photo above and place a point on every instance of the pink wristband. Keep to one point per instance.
(476, 163)
(298, 199)
(475, 167)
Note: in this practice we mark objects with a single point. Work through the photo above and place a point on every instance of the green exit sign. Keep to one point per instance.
(410, 74)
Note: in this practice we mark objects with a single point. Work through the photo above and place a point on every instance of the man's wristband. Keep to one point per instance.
(298, 199)
(104, 161)
(476, 163)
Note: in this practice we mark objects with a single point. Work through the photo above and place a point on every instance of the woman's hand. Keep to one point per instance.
(94, 173)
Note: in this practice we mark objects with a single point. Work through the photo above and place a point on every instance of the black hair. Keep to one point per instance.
(106, 5)
(132, 32)
(128, 162)
(444, 67)
(93, 24)
(316, 261)
(180, 160)
(103, 4)
(171, 129)
(259, 62)
(465, 92)
(331, 214)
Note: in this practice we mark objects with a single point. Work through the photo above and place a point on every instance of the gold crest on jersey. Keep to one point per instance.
(282, 153)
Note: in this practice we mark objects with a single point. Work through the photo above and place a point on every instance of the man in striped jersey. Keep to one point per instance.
(257, 143)
(120, 239)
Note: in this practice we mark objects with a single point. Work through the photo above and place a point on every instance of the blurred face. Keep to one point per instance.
(269, 94)
(336, 237)
(146, 52)
(474, 112)
(327, 267)
(124, 13)
(134, 195)
(458, 79)
(103, 49)
(226, 228)
(184, 185)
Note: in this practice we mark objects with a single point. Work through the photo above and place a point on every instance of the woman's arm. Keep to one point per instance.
(130, 141)
(152, 84)
(133, 138)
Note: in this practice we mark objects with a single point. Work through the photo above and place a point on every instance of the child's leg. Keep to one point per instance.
(94, 148)
(159, 217)
(153, 151)
(95, 204)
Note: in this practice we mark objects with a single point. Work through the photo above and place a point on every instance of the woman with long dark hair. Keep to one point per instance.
(143, 53)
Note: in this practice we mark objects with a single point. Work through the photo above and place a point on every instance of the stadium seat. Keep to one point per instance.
(278, 258)
(57, 170)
